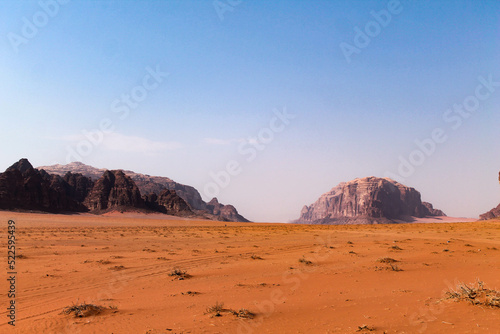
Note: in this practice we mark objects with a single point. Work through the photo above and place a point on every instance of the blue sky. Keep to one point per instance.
(229, 74)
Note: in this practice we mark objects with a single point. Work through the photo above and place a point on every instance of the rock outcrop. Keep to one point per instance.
(23, 187)
(432, 211)
(493, 213)
(156, 185)
(114, 190)
(367, 200)
(168, 202)
(224, 212)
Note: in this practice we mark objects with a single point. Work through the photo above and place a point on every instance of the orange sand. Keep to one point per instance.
(123, 261)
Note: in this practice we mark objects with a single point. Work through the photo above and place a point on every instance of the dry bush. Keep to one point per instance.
(218, 308)
(476, 294)
(304, 261)
(387, 260)
(83, 310)
(179, 274)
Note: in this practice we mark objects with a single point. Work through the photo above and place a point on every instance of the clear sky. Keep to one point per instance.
(364, 80)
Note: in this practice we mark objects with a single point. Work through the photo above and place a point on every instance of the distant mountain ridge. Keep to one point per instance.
(493, 213)
(157, 185)
(368, 200)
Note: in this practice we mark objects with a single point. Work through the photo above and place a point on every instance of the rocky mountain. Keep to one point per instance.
(493, 213)
(114, 190)
(367, 200)
(168, 202)
(148, 185)
(226, 212)
(24, 188)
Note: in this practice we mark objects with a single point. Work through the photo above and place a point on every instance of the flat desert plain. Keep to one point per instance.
(293, 278)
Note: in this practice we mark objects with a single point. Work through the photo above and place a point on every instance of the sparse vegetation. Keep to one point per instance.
(304, 261)
(396, 247)
(256, 257)
(85, 310)
(179, 274)
(387, 260)
(476, 294)
(218, 308)
(365, 328)
(394, 267)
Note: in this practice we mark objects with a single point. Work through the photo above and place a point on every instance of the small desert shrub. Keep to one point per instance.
(83, 310)
(396, 247)
(387, 260)
(117, 268)
(216, 309)
(395, 267)
(179, 274)
(304, 261)
(256, 257)
(244, 313)
(365, 328)
(476, 294)
(21, 256)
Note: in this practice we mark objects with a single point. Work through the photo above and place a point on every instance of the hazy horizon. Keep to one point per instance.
(265, 105)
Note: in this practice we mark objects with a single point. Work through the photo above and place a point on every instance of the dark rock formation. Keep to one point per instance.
(24, 188)
(432, 211)
(114, 190)
(168, 202)
(224, 212)
(79, 186)
(493, 213)
(156, 185)
(366, 201)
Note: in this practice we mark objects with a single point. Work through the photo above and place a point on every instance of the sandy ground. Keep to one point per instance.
(124, 261)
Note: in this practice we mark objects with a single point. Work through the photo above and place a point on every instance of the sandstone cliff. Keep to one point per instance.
(366, 201)
(24, 188)
(114, 190)
(156, 185)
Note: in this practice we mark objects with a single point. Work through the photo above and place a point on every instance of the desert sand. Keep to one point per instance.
(294, 278)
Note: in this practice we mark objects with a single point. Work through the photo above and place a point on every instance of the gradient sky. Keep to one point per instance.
(230, 70)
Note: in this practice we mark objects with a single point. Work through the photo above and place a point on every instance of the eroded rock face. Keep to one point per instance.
(156, 185)
(114, 190)
(224, 212)
(23, 187)
(432, 211)
(80, 186)
(168, 202)
(493, 213)
(367, 200)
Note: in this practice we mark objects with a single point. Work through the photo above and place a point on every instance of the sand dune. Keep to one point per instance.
(123, 262)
